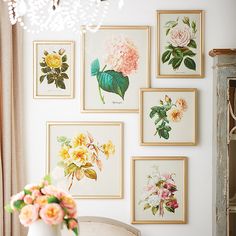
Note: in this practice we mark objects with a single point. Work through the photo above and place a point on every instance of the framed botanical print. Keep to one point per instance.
(87, 158)
(116, 64)
(53, 69)
(180, 47)
(168, 117)
(159, 190)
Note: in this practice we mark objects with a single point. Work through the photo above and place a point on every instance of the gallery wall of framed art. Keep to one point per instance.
(132, 109)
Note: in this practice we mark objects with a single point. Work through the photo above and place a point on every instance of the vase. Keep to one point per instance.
(40, 228)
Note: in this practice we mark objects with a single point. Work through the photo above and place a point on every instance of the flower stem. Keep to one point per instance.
(100, 94)
(72, 180)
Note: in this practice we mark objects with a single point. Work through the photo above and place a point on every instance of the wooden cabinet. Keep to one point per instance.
(224, 142)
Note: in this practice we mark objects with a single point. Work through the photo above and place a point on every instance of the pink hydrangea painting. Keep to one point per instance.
(121, 60)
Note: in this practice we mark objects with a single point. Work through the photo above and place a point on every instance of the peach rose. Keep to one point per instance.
(180, 36)
(28, 215)
(182, 104)
(52, 214)
(175, 115)
(51, 191)
(70, 205)
(28, 199)
(41, 201)
(72, 224)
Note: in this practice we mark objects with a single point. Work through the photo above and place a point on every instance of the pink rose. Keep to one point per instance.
(36, 193)
(72, 224)
(164, 194)
(171, 187)
(14, 198)
(51, 191)
(150, 188)
(173, 204)
(28, 199)
(28, 215)
(52, 214)
(70, 205)
(180, 36)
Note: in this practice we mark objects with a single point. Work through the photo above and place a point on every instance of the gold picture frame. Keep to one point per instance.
(104, 174)
(54, 69)
(152, 127)
(116, 104)
(191, 64)
(140, 211)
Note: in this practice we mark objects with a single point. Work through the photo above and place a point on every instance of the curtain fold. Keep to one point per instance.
(11, 156)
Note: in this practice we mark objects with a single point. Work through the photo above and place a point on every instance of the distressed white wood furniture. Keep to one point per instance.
(224, 142)
(100, 226)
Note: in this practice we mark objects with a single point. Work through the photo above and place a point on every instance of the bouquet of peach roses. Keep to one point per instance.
(44, 202)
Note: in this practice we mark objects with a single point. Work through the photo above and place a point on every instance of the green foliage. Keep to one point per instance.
(27, 192)
(69, 170)
(166, 56)
(170, 209)
(155, 210)
(8, 208)
(19, 204)
(90, 173)
(192, 44)
(48, 179)
(75, 230)
(95, 67)
(190, 63)
(53, 199)
(63, 140)
(146, 206)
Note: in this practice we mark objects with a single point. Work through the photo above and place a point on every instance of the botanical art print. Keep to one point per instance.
(182, 44)
(116, 64)
(122, 60)
(167, 112)
(159, 190)
(54, 68)
(82, 156)
(159, 193)
(168, 116)
(86, 158)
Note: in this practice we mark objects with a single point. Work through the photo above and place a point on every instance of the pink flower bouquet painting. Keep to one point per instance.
(159, 192)
(168, 116)
(180, 46)
(116, 66)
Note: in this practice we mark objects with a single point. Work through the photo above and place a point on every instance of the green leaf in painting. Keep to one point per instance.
(90, 173)
(177, 62)
(64, 76)
(170, 209)
(190, 63)
(46, 70)
(155, 210)
(146, 206)
(60, 84)
(64, 67)
(95, 67)
(167, 31)
(41, 79)
(166, 56)
(192, 44)
(177, 52)
(113, 82)
(43, 64)
(50, 78)
(64, 58)
(189, 53)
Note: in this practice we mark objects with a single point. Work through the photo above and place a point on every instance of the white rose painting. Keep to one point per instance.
(180, 44)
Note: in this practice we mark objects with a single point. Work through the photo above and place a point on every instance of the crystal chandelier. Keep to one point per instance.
(36, 16)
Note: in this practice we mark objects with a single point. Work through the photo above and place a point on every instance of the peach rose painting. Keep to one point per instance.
(116, 66)
(53, 69)
(180, 44)
(168, 117)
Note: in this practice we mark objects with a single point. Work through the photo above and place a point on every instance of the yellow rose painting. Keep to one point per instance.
(82, 156)
(54, 68)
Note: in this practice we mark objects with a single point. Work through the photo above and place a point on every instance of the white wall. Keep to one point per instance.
(220, 32)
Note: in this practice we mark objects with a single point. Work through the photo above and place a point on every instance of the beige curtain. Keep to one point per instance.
(11, 157)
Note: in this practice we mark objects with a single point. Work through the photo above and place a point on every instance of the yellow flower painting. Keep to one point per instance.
(82, 156)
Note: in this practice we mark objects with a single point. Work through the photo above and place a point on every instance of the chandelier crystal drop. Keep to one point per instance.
(36, 16)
